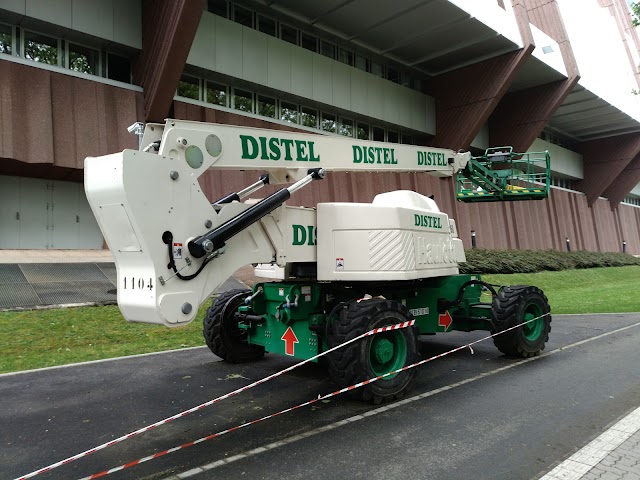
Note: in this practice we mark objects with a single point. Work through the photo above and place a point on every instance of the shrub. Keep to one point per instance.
(530, 261)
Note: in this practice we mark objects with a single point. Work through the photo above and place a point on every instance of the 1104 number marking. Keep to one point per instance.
(139, 283)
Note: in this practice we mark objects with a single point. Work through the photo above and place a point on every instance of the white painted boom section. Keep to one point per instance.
(287, 156)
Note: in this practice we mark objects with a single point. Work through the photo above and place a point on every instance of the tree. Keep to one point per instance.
(635, 14)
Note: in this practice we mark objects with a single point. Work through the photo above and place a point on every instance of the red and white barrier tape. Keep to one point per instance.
(310, 402)
(86, 453)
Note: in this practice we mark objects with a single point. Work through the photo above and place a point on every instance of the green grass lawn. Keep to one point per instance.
(592, 290)
(43, 338)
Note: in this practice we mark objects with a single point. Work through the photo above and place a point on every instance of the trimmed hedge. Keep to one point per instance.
(530, 261)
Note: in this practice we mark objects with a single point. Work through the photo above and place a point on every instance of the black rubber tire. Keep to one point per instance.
(222, 334)
(509, 308)
(350, 365)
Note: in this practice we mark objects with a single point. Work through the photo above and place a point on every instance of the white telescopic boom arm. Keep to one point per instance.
(287, 156)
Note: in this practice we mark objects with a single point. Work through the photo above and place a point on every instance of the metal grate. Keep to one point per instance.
(58, 293)
(18, 295)
(109, 269)
(62, 272)
(11, 274)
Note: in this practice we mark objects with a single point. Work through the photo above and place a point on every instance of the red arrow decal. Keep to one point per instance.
(290, 340)
(445, 320)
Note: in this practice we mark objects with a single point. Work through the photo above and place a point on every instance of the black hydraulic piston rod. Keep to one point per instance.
(236, 196)
(216, 238)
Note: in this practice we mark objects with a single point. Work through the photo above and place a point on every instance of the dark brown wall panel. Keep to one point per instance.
(522, 115)
(465, 98)
(624, 183)
(604, 160)
(57, 119)
(168, 30)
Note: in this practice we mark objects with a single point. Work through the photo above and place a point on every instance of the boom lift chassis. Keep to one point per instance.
(342, 268)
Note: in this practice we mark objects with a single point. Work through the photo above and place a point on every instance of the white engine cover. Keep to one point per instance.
(382, 241)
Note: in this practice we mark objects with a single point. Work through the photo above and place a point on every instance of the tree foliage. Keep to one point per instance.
(635, 13)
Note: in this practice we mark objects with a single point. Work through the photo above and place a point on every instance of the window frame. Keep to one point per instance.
(275, 21)
(14, 50)
(301, 112)
(60, 53)
(259, 96)
(227, 9)
(280, 107)
(227, 94)
(199, 86)
(341, 123)
(232, 104)
(282, 25)
(67, 58)
(106, 67)
(233, 15)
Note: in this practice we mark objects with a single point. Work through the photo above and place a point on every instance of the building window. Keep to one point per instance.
(393, 75)
(361, 63)
(243, 101)
(218, 7)
(118, 68)
(189, 87)
(362, 132)
(345, 56)
(267, 25)
(327, 49)
(377, 69)
(288, 112)
(378, 134)
(84, 59)
(346, 127)
(266, 106)
(242, 16)
(41, 48)
(405, 79)
(309, 117)
(328, 122)
(216, 94)
(289, 34)
(309, 42)
(269, 107)
(6, 39)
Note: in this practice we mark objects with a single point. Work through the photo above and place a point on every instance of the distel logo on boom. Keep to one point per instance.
(275, 148)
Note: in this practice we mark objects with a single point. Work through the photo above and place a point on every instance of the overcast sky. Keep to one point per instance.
(602, 60)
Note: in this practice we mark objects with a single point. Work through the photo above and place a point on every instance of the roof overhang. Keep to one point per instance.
(432, 36)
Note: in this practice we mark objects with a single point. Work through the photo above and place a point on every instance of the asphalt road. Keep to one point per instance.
(479, 416)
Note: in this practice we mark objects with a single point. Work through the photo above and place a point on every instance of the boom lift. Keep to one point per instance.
(335, 271)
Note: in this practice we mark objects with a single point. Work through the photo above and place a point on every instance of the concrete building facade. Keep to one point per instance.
(460, 74)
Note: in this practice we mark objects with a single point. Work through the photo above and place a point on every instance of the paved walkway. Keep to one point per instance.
(614, 455)
(55, 256)
(45, 278)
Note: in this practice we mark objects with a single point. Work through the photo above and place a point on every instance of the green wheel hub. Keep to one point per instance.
(387, 352)
(533, 329)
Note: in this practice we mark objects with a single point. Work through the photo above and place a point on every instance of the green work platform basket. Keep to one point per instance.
(503, 175)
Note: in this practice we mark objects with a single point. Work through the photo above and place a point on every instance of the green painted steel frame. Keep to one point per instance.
(426, 299)
(503, 175)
